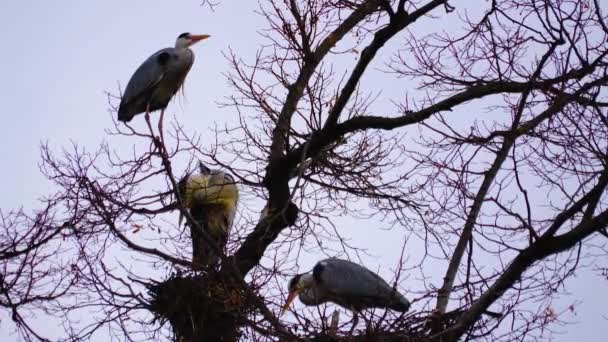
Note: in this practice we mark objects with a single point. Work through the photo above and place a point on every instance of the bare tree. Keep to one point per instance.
(35, 264)
(495, 162)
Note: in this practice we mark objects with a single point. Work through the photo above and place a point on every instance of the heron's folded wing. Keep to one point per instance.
(348, 278)
(147, 76)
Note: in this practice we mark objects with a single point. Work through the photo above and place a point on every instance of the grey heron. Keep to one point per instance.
(211, 196)
(347, 284)
(156, 81)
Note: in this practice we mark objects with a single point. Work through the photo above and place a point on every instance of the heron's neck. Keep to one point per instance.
(181, 44)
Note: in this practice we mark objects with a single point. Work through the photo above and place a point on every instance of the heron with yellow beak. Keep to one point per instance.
(157, 80)
(211, 196)
(347, 284)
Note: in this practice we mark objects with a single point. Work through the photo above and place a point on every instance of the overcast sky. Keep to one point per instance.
(59, 57)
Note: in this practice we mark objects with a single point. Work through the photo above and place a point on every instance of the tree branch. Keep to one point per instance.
(539, 250)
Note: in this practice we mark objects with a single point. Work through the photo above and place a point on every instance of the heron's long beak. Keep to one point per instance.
(292, 295)
(194, 38)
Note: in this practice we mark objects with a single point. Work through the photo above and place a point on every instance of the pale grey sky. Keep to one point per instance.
(59, 57)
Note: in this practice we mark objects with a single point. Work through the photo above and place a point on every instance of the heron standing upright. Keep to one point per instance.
(211, 196)
(347, 284)
(157, 80)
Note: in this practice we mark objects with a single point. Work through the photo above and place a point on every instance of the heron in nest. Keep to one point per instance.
(347, 284)
(211, 197)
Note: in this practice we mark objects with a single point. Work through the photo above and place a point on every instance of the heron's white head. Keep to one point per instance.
(186, 39)
(296, 285)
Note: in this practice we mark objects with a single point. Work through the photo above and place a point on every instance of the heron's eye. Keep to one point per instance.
(228, 178)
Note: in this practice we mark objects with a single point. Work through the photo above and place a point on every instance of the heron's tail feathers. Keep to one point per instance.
(125, 115)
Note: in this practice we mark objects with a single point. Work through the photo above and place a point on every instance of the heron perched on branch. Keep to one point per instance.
(347, 284)
(211, 196)
(157, 80)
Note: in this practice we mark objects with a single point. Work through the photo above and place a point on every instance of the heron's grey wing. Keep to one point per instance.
(147, 76)
(347, 278)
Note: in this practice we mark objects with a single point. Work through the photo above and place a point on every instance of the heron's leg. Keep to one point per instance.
(160, 125)
(355, 322)
(335, 321)
(147, 115)
(157, 143)
(162, 135)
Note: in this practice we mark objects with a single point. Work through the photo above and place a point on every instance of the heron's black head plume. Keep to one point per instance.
(203, 169)
(228, 179)
(294, 282)
(184, 35)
